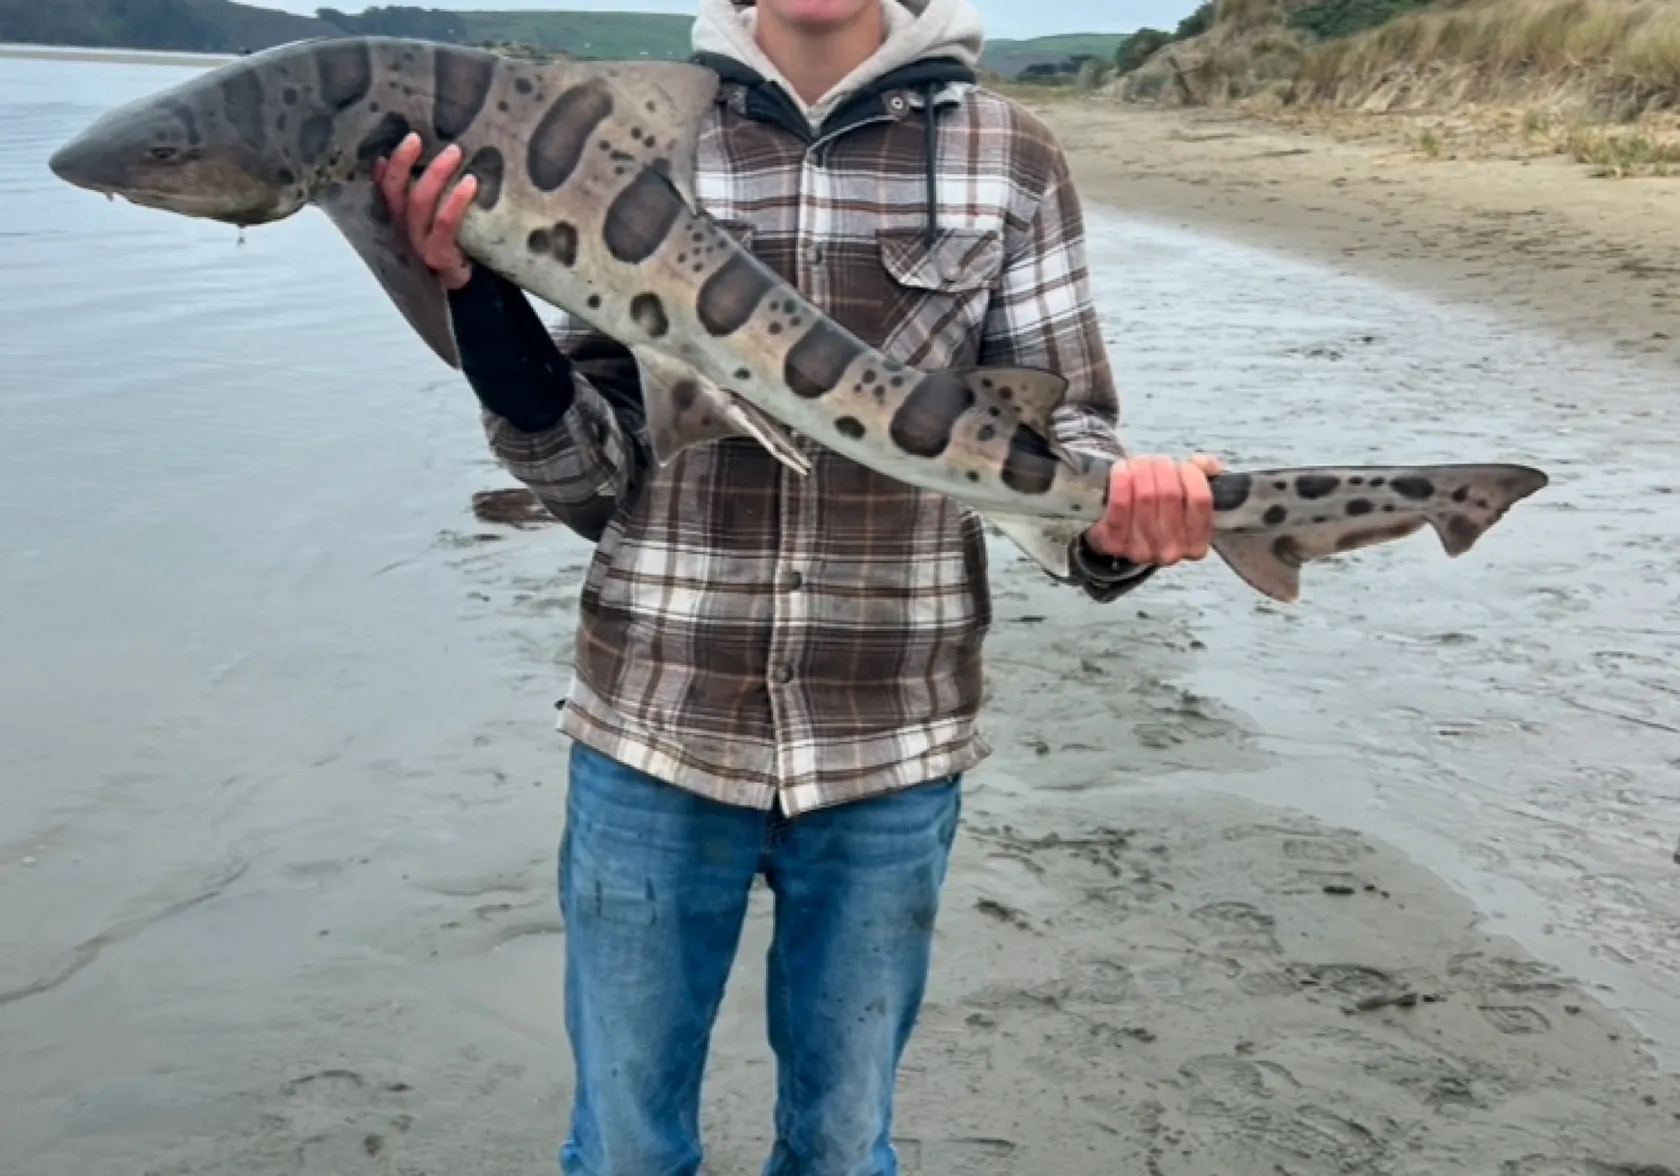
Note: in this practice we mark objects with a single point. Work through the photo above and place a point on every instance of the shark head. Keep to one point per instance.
(200, 149)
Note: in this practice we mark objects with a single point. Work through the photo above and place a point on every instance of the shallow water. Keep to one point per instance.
(254, 655)
(1511, 718)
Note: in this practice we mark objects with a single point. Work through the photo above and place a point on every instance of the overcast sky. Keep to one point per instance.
(1004, 18)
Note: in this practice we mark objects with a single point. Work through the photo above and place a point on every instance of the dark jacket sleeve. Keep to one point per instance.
(562, 408)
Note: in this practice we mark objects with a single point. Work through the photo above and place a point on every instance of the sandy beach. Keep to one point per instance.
(229, 948)
(1541, 238)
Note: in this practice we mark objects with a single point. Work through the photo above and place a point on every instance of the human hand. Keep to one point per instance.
(432, 227)
(1159, 511)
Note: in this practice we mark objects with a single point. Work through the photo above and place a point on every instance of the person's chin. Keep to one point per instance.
(817, 15)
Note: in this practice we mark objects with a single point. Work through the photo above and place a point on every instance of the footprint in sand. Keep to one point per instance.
(1515, 1019)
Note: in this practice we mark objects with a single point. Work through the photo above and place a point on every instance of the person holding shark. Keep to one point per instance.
(780, 675)
(826, 315)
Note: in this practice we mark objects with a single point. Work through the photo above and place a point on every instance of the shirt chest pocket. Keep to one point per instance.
(938, 292)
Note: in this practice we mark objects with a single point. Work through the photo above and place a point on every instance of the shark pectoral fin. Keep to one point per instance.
(359, 213)
(1271, 561)
(757, 424)
(1046, 541)
(1035, 393)
(684, 409)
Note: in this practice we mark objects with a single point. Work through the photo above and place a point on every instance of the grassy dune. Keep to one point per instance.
(1620, 55)
(1598, 80)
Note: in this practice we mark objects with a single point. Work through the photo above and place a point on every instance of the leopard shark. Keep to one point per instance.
(585, 198)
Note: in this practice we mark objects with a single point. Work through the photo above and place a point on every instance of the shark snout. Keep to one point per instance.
(82, 162)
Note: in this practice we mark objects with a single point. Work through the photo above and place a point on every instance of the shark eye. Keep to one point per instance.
(162, 154)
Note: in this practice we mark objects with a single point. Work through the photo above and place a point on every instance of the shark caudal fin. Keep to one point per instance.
(1271, 523)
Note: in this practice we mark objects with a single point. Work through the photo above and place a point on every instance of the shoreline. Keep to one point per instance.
(18, 51)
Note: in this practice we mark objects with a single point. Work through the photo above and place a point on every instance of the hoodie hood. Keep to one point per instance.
(916, 30)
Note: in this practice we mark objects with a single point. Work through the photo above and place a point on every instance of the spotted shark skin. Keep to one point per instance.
(585, 199)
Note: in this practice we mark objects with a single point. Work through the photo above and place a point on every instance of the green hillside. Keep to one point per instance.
(1010, 58)
(586, 34)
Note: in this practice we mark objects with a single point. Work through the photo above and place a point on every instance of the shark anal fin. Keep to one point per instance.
(1271, 561)
(358, 211)
(685, 409)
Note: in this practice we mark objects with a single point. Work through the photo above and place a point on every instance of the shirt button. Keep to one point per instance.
(794, 580)
(782, 674)
(814, 253)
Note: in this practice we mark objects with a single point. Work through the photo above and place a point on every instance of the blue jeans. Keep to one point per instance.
(653, 887)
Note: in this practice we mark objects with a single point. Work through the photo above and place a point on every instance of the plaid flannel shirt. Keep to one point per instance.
(763, 638)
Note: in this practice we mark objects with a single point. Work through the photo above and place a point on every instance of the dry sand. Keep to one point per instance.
(1541, 239)
(1127, 982)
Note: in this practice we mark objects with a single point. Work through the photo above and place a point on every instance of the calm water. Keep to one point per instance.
(248, 641)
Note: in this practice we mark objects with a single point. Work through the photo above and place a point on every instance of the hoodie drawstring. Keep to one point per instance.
(932, 227)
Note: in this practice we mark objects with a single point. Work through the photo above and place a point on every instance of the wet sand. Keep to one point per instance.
(1380, 883)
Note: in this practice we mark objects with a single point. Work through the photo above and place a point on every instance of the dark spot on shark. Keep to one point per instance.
(1413, 486)
(776, 329)
(728, 299)
(346, 72)
(502, 107)
(523, 85)
(564, 243)
(1280, 484)
(649, 313)
(1311, 486)
(491, 169)
(986, 433)
(684, 394)
(594, 302)
(742, 374)
(1030, 467)
(640, 218)
(1275, 515)
(850, 427)
(1359, 506)
(383, 139)
(923, 424)
(539, 241)
(557, 145)
(314, 137)
(286, 176)
(819, 361)
(1356, 480)
(461, 81)
(289, 96)
(1461, 494)
(1231, 490)
(1378, 482)
(973, 476)
(242, 105)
